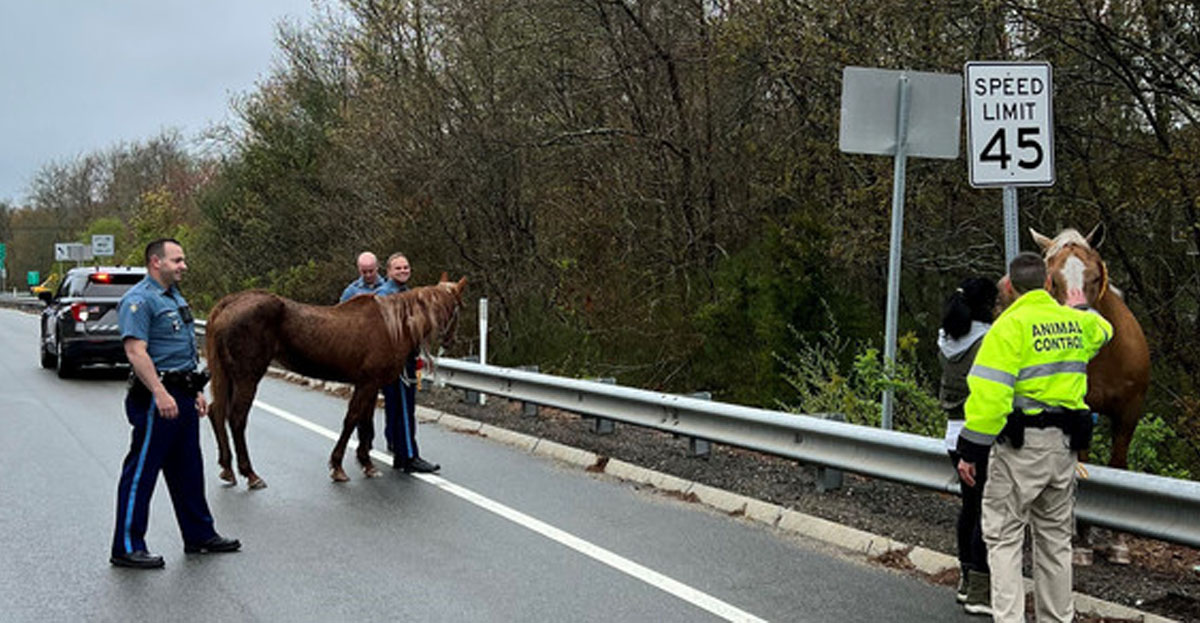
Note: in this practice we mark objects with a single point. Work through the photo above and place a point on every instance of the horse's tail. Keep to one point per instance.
(215, 350)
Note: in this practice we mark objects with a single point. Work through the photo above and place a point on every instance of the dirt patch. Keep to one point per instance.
(1160, 579)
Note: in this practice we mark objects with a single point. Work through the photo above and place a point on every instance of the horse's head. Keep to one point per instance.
(1077, 273)
(454, 291)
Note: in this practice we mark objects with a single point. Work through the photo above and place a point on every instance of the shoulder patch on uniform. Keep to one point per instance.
(133, 307)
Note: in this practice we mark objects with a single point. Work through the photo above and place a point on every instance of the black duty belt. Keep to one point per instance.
(189, 380)
(1047, 419)
(1077, 425)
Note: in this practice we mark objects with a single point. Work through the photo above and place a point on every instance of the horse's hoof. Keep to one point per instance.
(257, 483)
(227, 476)
(1118, 555)
(1081, 557)
(372, 472)
(338, 475)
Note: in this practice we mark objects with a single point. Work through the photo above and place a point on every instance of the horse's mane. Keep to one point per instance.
(421, 312)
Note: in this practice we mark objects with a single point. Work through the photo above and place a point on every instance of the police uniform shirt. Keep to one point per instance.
(161, 318)
(391, 287)
(358, 286)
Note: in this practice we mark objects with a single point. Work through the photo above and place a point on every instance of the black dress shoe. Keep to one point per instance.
(140, 559)
(419, 465)
(217, 544)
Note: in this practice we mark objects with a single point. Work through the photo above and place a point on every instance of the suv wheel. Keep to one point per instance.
(64, 368)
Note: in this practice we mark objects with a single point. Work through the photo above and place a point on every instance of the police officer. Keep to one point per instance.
(1026, 394)
(400, 397)
(164, 405)
(368, 281)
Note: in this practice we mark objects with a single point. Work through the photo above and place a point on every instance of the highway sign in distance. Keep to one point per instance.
(1010, 123)
(102, 244)
(71, 252)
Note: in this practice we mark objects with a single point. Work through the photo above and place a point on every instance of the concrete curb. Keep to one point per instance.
(922, 560)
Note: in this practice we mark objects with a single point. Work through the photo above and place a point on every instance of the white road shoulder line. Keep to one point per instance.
(595, 552)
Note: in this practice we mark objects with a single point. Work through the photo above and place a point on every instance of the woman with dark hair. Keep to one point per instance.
(966, 317)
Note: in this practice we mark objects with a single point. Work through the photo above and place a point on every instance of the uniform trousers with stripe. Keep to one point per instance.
(170, 446)
(1033, 486)
(400, 413)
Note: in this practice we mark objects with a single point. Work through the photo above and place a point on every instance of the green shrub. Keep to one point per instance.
(824, 385)
(1152, 450)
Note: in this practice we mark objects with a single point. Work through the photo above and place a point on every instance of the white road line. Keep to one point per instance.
(595, 552)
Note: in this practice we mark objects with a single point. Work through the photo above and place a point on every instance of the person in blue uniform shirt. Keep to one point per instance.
(368, 281)
(164, 405)
(400, 397)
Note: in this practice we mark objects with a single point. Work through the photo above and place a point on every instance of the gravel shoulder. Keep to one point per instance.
(1162, 578)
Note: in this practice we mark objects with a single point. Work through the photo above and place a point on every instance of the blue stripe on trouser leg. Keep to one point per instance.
(139, 473)
(407, 408)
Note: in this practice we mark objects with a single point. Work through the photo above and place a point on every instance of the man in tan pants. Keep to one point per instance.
(1045, 469)
(1026, 408)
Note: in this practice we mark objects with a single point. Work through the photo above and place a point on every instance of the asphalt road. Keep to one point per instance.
(499, 535)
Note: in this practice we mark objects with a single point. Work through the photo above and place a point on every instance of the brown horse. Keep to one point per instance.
(1119, 374)
(364, 341)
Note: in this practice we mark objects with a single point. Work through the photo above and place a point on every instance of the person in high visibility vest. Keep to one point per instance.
(1026, 416)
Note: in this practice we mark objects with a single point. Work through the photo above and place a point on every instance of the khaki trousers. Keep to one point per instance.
(1031, 486)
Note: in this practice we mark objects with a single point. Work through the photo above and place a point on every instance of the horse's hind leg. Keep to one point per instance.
(362, 404)
(366, 436)
(1123, 425)
(216, 416)
(239, 413)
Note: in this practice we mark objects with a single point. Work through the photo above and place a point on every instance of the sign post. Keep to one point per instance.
(1010, 132)
(483, 327)
(899, 114)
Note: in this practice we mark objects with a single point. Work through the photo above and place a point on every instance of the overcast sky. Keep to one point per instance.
(78, 76)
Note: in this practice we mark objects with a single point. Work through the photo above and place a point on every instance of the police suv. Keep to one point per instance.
(79, 323)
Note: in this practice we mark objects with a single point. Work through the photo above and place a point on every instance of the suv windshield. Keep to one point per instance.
(109, 284)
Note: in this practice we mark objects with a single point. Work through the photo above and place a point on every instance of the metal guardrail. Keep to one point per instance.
(1162, 508)
(28, 303)
(1153, 506)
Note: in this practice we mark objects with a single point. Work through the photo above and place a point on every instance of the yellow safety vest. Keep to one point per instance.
(1034, 359)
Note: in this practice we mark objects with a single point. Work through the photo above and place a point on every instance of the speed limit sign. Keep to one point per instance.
(1010, 123)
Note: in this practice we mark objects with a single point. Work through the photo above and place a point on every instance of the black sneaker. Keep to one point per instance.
(419, 465)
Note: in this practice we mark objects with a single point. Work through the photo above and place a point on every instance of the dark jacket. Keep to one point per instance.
(956, 357)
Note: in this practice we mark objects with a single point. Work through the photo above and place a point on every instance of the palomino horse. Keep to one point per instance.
(364, 341)
(1120, 373)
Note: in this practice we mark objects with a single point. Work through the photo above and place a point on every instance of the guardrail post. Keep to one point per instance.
(471, 396)
(529, 409)
(700, 448)
(604, 426)
(828, 478)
